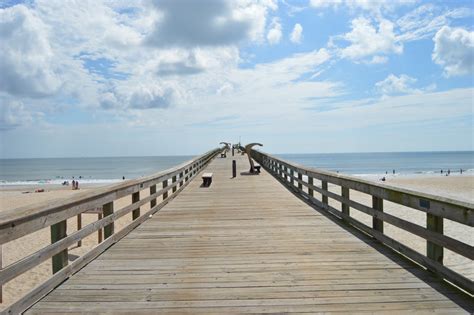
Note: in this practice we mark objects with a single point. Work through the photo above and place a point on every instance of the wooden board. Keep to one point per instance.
(247, 245)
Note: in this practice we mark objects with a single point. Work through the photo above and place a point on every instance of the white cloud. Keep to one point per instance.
(424, 21)
(403, 84)
(365, 40)
(274, 34)
(454, 51)
(369, 5)
(14, 113)
(376, 60)
(396, 85)
(207, 22)
(297, 33)
(27, 61)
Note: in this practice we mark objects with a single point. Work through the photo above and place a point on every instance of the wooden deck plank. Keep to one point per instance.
(247, 245)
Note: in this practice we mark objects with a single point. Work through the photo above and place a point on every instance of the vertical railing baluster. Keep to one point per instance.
(173, 181)
(152, 191)
(434, 251)
(181, 179)
(58, 232)
(165, 194)
(345, 194)
(377, 204)
(108, 209)
(136, 212)
(324, 185)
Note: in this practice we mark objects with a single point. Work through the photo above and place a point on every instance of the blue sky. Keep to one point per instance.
(106, 78)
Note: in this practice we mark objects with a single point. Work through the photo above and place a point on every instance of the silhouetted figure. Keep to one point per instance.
(393, 171)
(441, 171)
(460, 170)
(123, 177)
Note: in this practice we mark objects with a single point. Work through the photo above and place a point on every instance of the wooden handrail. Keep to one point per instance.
(437, 209)
(18, 222)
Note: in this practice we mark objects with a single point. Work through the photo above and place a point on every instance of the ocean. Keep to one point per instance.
(104, 170)
(379, 164)
(93, 170)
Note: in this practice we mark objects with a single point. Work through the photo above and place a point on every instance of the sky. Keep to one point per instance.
(177, 77)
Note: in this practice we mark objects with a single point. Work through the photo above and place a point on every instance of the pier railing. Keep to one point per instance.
(305, 181)
(19, 222)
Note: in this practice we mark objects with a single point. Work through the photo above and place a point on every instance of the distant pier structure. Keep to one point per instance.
(287, 240)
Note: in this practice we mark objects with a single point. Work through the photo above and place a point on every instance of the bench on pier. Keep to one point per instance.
(206, 179)
(257, 167)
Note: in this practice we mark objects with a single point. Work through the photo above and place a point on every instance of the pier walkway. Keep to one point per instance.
(248, 245)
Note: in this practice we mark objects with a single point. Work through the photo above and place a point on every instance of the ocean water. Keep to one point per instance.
(101, 170)
(379, 164)
(106, 170)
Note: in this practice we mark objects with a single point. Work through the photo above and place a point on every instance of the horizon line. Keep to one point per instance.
(191, 155)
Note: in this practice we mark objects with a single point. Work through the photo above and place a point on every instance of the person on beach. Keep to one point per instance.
(77, 184)
(393, 171)
(460, 171)
(73, 184)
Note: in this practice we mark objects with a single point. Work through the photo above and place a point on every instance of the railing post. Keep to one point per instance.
(300, 178)
(286, 173)
(108, 209)
(173, 181)
(377, 204)
(435, 224)
(310, 182)
(136, 212)
(152, 191)
(292, 178)
(99, 231)
(345, 194)
(79, 226)
(58, 232)
(165, 194)
(324, 185)
(181, 179)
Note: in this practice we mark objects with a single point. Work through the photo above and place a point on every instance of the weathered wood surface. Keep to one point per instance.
(437, 209)
(247, 245)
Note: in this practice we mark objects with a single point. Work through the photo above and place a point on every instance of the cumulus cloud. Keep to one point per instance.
(366, 40)
(147, 97)
(403, 84)
(396, 85)
(454, 51)
(14, 113)
(27, 61)
(187, 23)
(297, 33)
(180, 66)
(274, 34)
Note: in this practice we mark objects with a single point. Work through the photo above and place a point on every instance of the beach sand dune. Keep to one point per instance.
(457, 187)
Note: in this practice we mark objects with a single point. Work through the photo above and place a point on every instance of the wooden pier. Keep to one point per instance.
(248, 244)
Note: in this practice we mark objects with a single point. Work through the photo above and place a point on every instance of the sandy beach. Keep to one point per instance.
(457, 187)
(14, 197)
